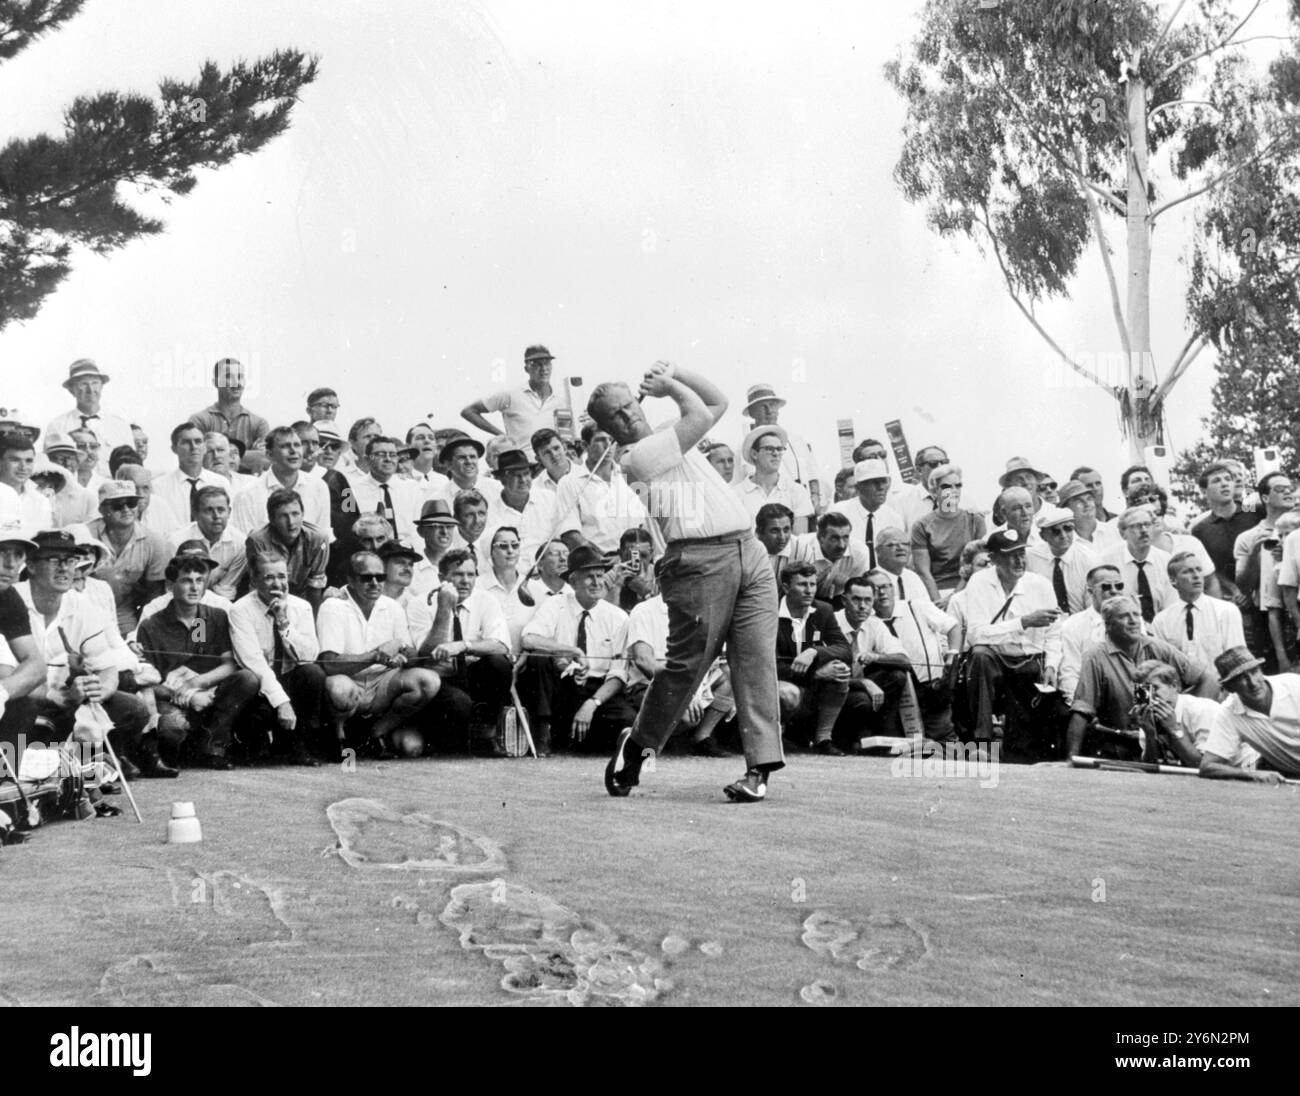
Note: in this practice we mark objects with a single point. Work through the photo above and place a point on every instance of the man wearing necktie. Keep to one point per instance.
(578, 641)
(86, 385)
(1200, 626)
(812, 662)
(381, 491)
(1144, 566)
(879, 664)
(1062, 559)
(179, 488)
(869, 514)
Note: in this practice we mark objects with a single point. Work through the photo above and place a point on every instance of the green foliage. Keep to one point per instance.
(61, 194)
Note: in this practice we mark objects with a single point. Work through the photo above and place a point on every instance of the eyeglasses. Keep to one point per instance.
(1059, 529)
(122, 504)
(369, 578)
(383, 454)
(59, 561)
(332, 446)
(771, 448)
(329, 405)
(1110, 586)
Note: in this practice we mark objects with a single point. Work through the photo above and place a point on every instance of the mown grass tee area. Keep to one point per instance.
(520, 882)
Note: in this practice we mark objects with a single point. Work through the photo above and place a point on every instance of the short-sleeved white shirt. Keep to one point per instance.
(684, 492)
(342, 627)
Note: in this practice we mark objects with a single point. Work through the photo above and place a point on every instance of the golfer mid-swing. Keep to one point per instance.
(714, 576)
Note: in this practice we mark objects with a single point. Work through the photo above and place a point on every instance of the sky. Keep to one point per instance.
(705, 183)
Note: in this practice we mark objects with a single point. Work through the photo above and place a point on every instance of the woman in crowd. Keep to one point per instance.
(939, 539)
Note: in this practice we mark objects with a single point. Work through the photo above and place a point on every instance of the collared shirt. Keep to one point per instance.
(798, 626)
(1080, 632)
(1219, 535)
(1185, 542)
(209, 600)
(480, 616)
(922, 629)
(523, 413)
(368, 494)
(1195, 716)
(913, 501)
(601, 511)
(111, 430)
(343, 628)
(798, 463)
(984, 598)
(485, 485)
(428, 485)
(533, 523)
(1104, 538)
(557, 619)
(516, 613)
(884, 518)
(88, 630)
(871, 637)
(1216, 626)
(305, 559)
(1276, 735)
(245, 427)
(1288, 572)
(161, 519)
(908, 585)
(831, 575)
(682, 491)
(228, 551)
(173, 488)
(648, 624)
(1078, 560)
(200, 644)
(249, 510)
(143, 559)
(1105, 688)
(35, 511)
(74, 505)
(785, 491)
(1157, 572)
(252, 635)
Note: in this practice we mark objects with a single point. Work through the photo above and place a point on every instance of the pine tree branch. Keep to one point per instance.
(24, 21)
(1015, 297)
(1222, 44)
(1105, 258)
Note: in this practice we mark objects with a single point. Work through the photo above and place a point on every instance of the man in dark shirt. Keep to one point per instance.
(203, 692)
(303, 547)
(1221, 527)
(812, 658)
(17, 708)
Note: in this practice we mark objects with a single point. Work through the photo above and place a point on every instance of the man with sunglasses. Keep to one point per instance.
(1085, 628)
(83, 656)
(366, 646)
(137, 558)
(914, 500)
(1062, 560)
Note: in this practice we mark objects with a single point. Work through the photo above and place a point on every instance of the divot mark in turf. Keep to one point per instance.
(819, 993)
(228, 908)
(711, 948)
(141, 981)
(371, 834)
(551, 955)
(674, 944)
(883, 943)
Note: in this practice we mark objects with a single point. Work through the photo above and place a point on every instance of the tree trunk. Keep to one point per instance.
(1142, 421)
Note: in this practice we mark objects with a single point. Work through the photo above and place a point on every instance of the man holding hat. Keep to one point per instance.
(869, 513)
(203, 693)
(86, 384)
(137, 558)
(17, 707)
(763, 408)
(1262, 712)
(82, 656)
(523, 410)
(72, 502)
(1061, 559)
(764, 449)
(1012, 629)
(580, 700)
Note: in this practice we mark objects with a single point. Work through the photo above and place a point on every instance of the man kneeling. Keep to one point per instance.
(365, 647)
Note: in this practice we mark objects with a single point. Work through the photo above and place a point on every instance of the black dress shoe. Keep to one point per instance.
(107, 810)
(828, 748)
(155, 768)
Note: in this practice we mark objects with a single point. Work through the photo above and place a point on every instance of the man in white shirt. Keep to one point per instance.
(273, 635)
(894, 556)
(86, 384)
(72, 503)
(1086, 629)
(284, 447)
(869, 513)
(595, 500)
(879, 667)
(381, 491)
(773, 524)
(551, 453)
(366, 647)
(1200, 626)
(1145, 568)
(466, 637)
(429, 482)
(1089, 529)
(523, 410)
(1013, 631)
(763, 408)
(579, 685)
(1061, 559)
(461, 456)
(17, 460)
(764, 448)
(155, 515)
(1262, 712)
(224, 542)
(922, 628)
(222, 457)
(179, 488)
(834, 552)
(531, 513)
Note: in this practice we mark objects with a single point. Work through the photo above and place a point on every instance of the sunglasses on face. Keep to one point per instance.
(369, 578)
(122, 504)
(1111, 587)
(1060, 529)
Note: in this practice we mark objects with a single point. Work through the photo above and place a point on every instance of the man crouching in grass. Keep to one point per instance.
(1263, 712)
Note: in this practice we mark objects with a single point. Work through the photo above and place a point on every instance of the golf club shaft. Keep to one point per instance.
(122, 777)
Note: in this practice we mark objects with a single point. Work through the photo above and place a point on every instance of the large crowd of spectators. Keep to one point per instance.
(292, 593)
